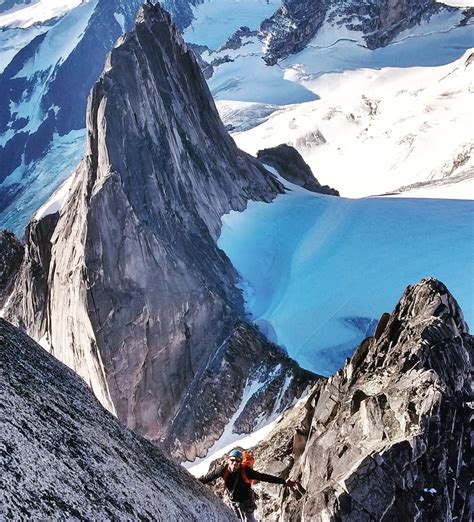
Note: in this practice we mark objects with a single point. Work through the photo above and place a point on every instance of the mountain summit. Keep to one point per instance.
(132, 291)
(388, 436)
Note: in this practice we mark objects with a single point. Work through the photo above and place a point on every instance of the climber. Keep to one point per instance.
(238, 481)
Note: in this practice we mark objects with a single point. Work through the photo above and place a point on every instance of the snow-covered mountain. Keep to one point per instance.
(374, 131)
(52, 52)
(43, 93)
(129, 271)
(344, 97)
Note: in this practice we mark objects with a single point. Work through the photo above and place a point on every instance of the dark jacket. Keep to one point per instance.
(239, 490)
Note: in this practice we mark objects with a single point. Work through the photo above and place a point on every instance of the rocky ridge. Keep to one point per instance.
(371, 24)
(64, 457)
(388, 436)
(290, 165)
(245, 365)
(139, 299)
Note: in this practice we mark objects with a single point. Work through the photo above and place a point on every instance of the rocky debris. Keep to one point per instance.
(297, 22)
(11, 256)
(290, 164)
(245, 361)
(139, 297)
(64, 457)
(388, 436)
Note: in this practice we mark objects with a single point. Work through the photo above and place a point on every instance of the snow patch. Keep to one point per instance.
(120, 20)
(229, 436)
(459, 3)
(56, 201)
(37, 12)
(200, 466)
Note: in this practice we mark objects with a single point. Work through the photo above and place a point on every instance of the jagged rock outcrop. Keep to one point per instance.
(139, 298)
(11, 256)
(30, 296)
(388, 436)
(297, 22)
(64, 457)
(290, 164)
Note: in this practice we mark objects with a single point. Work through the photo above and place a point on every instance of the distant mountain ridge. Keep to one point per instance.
(297, 22)
(43, 94)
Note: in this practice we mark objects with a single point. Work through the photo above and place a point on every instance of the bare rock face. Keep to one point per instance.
(32, 279)
(139, 298)
(11, 256)
(252, 378)
(388, 436)
(64, 457)
(291, 165)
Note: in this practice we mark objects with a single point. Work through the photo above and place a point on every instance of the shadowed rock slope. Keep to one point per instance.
(290, 164)
(388, 436)
(64, 457)
(11, 256)
(138, 297)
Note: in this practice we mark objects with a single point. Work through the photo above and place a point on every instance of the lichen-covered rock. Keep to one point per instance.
(388, 436)
(64, 457)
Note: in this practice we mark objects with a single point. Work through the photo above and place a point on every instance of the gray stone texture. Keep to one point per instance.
(64, 457)
(11, 256)
(387, 438)
(291, 166)
(138, 298)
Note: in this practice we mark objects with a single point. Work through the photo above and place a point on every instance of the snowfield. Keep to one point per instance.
(374, 131)
(36, 12)
(318, 271)
(216, 20)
